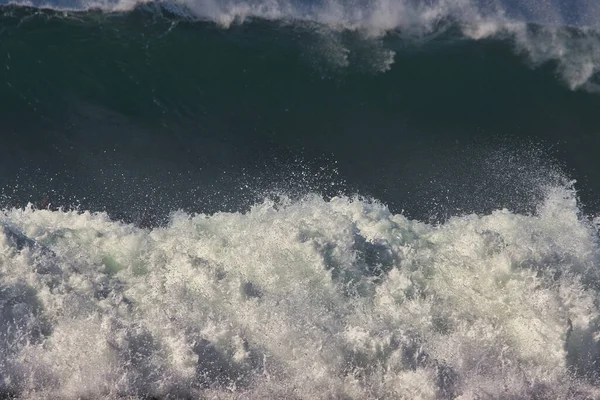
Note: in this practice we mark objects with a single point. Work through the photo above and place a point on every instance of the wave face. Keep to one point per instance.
(310, 299)
(286, 199)
(144, 112)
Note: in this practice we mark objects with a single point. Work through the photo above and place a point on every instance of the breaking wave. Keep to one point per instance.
(305, 299)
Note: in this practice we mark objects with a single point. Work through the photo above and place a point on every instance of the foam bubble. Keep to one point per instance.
(306, 299)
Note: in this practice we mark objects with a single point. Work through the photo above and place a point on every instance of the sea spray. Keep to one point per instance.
(305, 299)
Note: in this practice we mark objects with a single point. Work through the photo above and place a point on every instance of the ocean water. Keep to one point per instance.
(265, 199)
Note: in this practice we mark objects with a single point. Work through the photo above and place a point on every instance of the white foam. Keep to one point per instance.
(310, 299)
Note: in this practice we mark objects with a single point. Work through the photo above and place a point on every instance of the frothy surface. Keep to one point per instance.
(309, 299)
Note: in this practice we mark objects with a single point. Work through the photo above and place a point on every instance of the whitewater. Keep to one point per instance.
(303, 299)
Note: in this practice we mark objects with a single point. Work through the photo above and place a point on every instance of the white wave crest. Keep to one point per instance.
(576, 51)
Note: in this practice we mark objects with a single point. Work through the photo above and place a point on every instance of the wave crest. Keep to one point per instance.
(544, 33)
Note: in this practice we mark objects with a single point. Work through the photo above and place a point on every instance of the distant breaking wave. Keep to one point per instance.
(566, 36)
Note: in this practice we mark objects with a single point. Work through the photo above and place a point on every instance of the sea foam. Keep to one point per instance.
(301, 299)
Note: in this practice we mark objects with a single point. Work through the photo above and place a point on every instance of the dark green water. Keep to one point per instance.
(141, 113)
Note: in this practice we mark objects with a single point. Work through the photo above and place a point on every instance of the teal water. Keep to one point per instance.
(109, 110)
